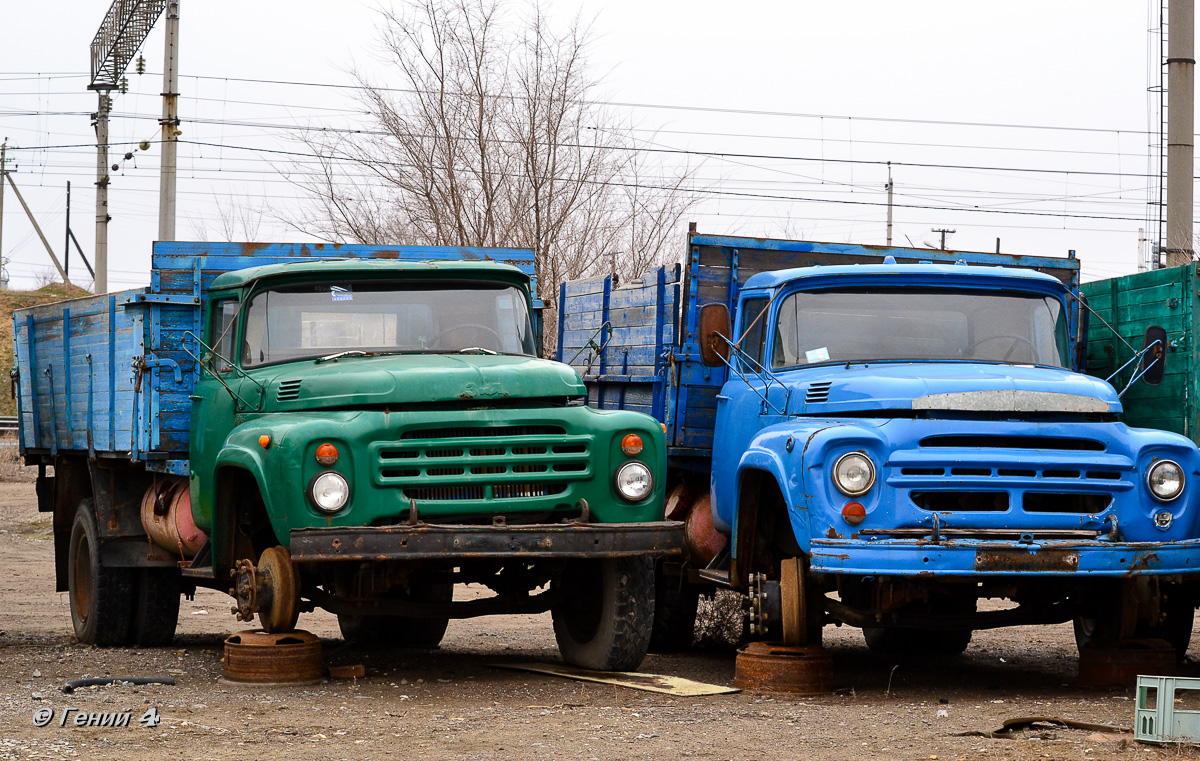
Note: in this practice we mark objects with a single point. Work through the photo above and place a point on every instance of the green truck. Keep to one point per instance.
(355, 428)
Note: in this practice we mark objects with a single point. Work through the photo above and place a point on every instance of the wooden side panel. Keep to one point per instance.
(616, 338)
(75, 364)
(1130, 304)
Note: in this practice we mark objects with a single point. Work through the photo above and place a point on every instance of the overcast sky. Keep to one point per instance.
(1024, 121)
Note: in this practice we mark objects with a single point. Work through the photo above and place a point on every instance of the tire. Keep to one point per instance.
(1102, 628)
(418, 633)
(101, 598)
(606, 616)
(1177, 628)
(675, 606)
(156, 606)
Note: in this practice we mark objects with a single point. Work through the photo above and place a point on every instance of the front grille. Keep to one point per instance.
(445, 493)
(1066, 502)
(961, 501)
(1066, 474)
(817, 392)
(1013, 442)
(288, 390)
(515, 491)
(978, 474)
(479, 463)
(483, 432)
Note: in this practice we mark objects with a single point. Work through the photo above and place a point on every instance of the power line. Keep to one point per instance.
(664, 151)
(682, 107)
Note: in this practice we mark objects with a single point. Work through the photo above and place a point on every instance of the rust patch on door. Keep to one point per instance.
(1024, 561)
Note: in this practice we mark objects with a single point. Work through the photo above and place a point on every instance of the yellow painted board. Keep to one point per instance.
(668, 685)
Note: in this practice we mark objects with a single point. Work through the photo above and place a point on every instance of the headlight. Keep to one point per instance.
(1165, 480)
(854, 474)
(329, 492)
(634, 481)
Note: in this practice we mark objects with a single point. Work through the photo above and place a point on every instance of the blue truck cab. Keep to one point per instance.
(912, 436)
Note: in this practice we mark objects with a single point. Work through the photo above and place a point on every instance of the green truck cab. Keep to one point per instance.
(364, 435)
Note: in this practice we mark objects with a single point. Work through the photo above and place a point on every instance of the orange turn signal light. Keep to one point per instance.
(631, 444)
(327, 455)
(854, 513)
(264, 441)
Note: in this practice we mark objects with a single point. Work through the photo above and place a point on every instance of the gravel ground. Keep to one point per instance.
(452, 704)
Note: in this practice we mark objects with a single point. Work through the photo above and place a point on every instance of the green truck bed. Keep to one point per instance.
(1130, 304)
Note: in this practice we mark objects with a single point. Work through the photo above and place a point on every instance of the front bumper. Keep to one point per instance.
(458, 542)
(894, 557)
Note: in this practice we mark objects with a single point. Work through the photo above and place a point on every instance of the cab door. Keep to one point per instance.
(213, 405)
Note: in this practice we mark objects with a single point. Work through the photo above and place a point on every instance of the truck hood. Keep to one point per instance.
(398, 379)
(836, 389)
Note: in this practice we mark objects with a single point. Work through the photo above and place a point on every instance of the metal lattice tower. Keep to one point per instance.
(122, 32)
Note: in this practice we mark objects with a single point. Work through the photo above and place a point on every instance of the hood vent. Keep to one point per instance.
(817, 392)
(288, 390)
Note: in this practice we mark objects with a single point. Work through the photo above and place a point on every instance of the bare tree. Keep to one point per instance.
(238, 218)
(486, 136)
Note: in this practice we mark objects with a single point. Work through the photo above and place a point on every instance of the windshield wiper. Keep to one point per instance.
(479, 349)
(340, 354)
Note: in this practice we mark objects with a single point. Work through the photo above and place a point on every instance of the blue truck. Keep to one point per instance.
(356, 428)
(883, 437)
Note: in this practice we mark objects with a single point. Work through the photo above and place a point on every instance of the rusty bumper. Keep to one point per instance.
(434, 542)
(963, 557)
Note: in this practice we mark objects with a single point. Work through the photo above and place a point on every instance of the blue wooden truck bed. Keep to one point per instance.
(112, 376)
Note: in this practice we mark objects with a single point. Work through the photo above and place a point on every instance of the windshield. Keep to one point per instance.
(919, 324)
(316, 320)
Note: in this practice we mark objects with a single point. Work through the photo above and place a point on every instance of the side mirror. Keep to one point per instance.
(1154, 357)
(714, 326)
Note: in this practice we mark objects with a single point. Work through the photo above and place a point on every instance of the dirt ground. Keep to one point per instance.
(451, 704)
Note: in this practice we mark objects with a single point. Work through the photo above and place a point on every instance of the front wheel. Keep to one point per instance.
(101, 596)
(606, 615)
(1106, 626)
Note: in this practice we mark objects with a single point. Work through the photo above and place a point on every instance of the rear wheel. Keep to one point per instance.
(606, 615)
(156, 606)
(101, 596)
(402, 631)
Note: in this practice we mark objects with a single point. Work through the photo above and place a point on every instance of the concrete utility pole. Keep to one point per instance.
(100, 285)
(1181, 84)
(170, 126)
(943, 231)
(889, 190)
(3, 174)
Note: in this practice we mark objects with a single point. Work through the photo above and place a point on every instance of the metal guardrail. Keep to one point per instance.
(8, 423)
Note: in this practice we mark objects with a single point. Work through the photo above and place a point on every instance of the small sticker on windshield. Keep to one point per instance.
(817, 355)
(341, 293)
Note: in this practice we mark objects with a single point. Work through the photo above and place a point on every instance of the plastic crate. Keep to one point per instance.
(1162, 722)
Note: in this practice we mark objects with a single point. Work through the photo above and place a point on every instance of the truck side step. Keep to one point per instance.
(720, 578)
(200, 568)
